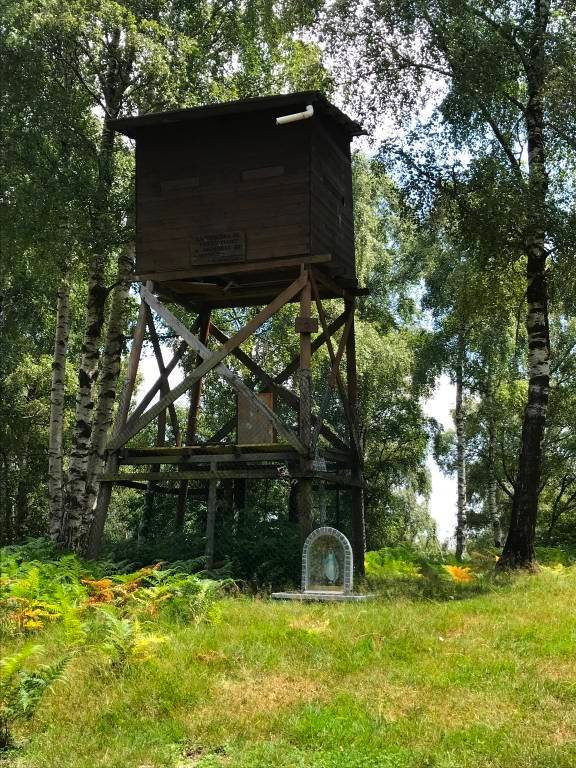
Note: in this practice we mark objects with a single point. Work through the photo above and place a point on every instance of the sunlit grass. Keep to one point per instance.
(484, 682)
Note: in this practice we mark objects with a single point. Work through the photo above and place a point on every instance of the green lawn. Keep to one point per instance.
(486, 681)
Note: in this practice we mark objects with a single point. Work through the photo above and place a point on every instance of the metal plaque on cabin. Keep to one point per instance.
(253, 427)
(219, 247)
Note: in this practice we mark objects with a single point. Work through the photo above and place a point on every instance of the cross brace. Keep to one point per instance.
(213, 360)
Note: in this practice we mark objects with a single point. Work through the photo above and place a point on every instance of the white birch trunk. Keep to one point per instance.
(71, 532)
(519, 547)
(109, 374)
(460, 453)
(57, 395)
(492, 502)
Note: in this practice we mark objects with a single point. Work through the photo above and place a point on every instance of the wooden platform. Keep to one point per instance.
(232, 461)
(246, 283)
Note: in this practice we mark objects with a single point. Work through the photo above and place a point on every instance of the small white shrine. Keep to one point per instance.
(327, 569)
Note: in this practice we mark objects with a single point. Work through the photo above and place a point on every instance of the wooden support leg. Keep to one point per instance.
(105, 490)
(240, 504)
(358, 526)
(149, 498)
(305, 412)
(305, 507)
(191, 425)
(210, 524)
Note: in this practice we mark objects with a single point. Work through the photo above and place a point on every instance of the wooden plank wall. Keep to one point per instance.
(245, 178)
(332, 212)
(272, 191)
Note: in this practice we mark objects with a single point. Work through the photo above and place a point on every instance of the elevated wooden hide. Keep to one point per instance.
(226, 197)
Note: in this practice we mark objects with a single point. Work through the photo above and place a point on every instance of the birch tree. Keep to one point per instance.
(487, 79)
(131, 57)
(57, 397)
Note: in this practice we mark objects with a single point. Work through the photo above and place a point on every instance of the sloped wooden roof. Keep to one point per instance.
(283, 105)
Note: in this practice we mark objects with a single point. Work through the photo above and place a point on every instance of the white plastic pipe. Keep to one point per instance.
(296, 116)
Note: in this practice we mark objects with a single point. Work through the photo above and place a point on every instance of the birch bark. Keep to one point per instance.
(493, 513)
(109, 374)
(57, 396)
(73, 530)
(460, 452)
(519, 548)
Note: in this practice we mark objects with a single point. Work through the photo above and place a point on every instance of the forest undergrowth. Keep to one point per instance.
(450, 665)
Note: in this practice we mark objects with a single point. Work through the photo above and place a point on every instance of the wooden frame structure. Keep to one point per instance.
(311, 451)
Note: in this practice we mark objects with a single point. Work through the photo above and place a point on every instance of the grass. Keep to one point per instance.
(482, 682)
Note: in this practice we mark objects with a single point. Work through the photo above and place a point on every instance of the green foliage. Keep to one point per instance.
(68, 591)
(397, 683)
(429, 573)
(21, 690)
(115, 617)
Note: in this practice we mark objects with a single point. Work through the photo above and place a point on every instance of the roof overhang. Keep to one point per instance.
(284, 104)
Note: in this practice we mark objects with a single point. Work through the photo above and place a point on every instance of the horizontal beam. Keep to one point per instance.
(272, 473)
(195, 492)
(218, 474)
(228, 269)
(184, 450)
(225, 458)
(329, 477)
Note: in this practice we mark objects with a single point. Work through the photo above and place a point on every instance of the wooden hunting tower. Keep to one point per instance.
(241, 204)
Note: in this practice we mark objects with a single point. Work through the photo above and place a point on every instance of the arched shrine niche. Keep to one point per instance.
(327, 562)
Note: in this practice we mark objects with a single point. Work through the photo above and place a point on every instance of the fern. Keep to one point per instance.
(21, 691)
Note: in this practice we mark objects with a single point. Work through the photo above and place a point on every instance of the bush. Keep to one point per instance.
(431, 574)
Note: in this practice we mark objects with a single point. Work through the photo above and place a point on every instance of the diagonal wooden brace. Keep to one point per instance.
(157, 386)
(162, 368)
(213, 360)
(292, 367)
(290, 398)
(335, 358)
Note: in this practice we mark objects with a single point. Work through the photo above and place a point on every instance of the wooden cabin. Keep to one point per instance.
(229, 203)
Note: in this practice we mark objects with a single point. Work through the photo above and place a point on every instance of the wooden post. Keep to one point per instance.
(105, 490)
(210, 522)
(305, 411)
(149, 498)
(240, 504)
(357, 493)
(192, 422)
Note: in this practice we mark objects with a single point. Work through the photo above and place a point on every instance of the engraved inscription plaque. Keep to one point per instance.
(219, 247)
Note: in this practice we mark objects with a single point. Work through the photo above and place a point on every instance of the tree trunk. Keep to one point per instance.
(57, 397)
(6, 517)
(72, 530)
(110, 371)
(105, 489)
(21, 501)
(460, 453)
(519, 548)
(493, 514)
(115, 79)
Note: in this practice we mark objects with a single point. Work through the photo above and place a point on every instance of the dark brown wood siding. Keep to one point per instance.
(331, 206)
(241, 186)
